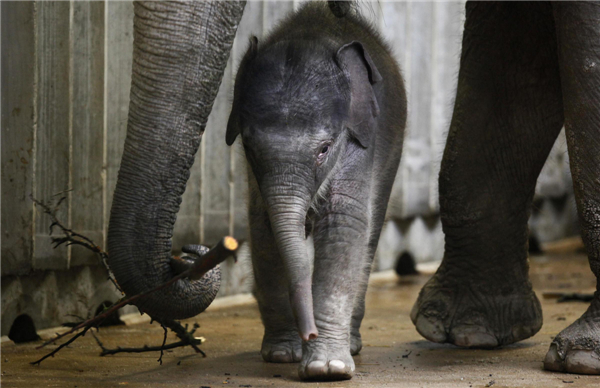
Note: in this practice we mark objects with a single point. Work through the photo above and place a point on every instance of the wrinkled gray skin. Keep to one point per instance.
(526, 70)
(320, 109)
(180, 53)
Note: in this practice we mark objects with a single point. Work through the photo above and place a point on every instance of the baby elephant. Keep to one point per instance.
(321, 108)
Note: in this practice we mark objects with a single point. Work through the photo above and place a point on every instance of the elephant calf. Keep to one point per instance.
(320, 107)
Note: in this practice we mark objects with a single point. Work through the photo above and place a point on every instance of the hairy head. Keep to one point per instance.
(292, 102)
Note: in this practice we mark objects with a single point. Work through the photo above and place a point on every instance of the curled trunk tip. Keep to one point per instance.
(302, 306)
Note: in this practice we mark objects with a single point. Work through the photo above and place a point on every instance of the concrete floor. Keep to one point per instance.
(394, 354)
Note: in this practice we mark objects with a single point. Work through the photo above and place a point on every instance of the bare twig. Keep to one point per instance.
(145, 348)
(189, 341)
(162, 347)
(52, 353)
(193, 270)
(225, 248)
(185, 335)
(73, 238)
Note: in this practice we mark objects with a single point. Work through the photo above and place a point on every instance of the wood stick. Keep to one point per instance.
(225, 248)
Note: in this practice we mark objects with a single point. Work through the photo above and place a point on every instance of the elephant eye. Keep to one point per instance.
(323, 151)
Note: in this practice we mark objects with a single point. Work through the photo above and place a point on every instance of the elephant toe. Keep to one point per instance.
(313, 370)
(472, 317)
(471, 336)
(575, 361)
(333, 370)
(281, 350)
(583, 362)
(552, 361)
(431, 328)
(323, 362)
(576, 349)
(277, 356)
(340, 370)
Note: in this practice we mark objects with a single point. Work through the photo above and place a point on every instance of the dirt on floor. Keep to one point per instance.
(394, 354)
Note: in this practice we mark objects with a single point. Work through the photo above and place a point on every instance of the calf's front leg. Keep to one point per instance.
(341, 235)
(281, 342)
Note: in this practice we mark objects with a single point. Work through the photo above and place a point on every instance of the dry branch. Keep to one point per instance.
(226, 248)
(52, 353)
(73, 238)
(191, 341)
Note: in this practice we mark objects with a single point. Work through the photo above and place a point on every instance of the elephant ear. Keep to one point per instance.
(234, 124)
(362, 74)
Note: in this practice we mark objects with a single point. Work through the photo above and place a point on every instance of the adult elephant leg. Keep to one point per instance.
(180, 53)
(507, 115)
(281, 342)
(577, 348)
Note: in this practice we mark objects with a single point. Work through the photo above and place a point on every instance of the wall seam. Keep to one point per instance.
(70, 124)
(34, 130)
(105, 210)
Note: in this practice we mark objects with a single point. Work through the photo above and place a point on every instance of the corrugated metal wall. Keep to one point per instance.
(70, 67)
(66, 75)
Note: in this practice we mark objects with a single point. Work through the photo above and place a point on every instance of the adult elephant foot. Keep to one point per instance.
(282, 347)
(323, 359)
(476, 315)
(576, 349)
(497, 145)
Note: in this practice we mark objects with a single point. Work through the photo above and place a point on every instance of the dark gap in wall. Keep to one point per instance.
(406, 265)
(23, 330)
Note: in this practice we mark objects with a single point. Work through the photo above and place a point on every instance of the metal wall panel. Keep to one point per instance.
(18, 134)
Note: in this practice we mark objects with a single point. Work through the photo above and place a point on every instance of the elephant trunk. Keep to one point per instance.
(288, 207)
(180, 53)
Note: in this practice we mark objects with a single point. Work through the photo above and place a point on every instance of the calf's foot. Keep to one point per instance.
(355, 342)
(475, 315)
(576, 349)
(324, 359)
(282, 347)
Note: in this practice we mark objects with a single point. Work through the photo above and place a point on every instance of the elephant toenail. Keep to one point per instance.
(552, 361)
(414, 313)
(336, 366)
(583, 362)
(280, 356)
(433, 331)
(316, 368)
(470, 338)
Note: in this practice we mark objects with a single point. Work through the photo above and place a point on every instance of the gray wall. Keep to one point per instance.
(66, 74)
